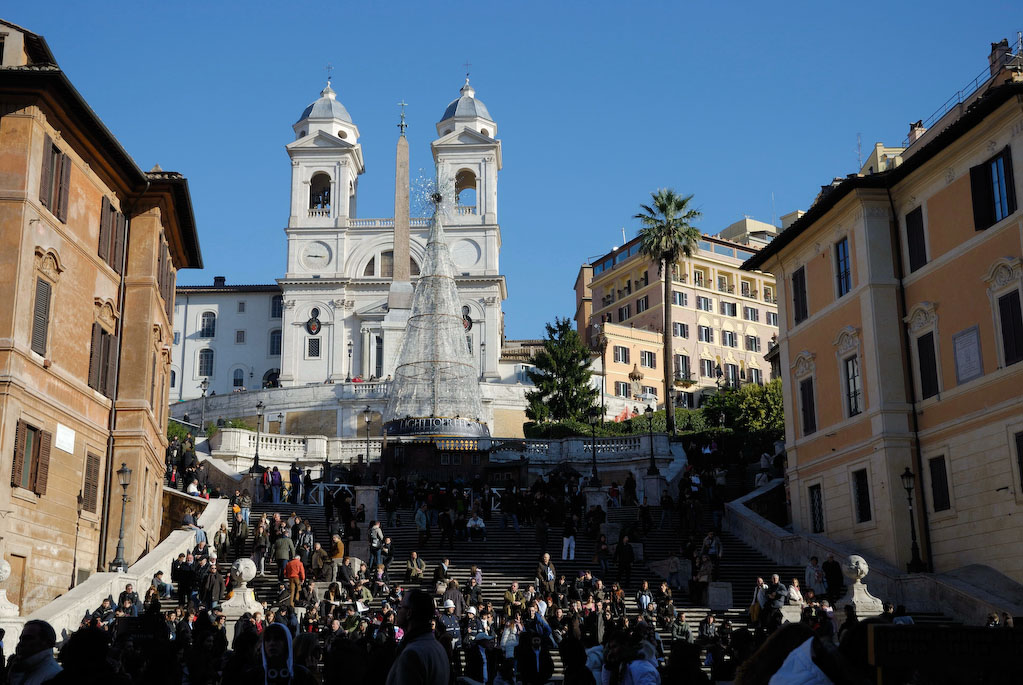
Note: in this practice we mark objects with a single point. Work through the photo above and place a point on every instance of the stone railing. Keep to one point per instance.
(417, 222)
(581, 448)
(951, 594)
(66, 612)
(315, 213)
(236, 448)
(465, 210)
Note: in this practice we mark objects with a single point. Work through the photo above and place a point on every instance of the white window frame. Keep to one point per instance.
(647, 355)
(1004, 276)
(847, 344)
(198, 363)
(623, 385)
(921, 320)
(308, 340)
(679, 329)
(642, 304)
(772, 315)
(728, 338)
(620, 358)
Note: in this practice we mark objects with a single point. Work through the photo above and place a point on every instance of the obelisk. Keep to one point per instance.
(400, 295)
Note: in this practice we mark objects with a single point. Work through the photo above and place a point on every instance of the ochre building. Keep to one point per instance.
(89, 248)
(902, 340)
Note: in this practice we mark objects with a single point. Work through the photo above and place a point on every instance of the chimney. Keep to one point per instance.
(916, 131)
(219, 281)
(997, 58)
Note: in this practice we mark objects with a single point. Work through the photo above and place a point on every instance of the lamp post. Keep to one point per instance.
(351, 345)
(205, 385)
(124, 478)
(259, 426)
(483, 350)
(367, 415)
(652, 471)
(595, 417)
(915, 565)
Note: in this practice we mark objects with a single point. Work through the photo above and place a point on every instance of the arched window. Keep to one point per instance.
(174, 378)
(371, 267)
(275, 342)
(465, 188)
(271, 378)
(238, 378)
(485, 132)
(413, 268)
(387, 264)
(206, 362)
(319, 191)
(208, 325)
(276, 306)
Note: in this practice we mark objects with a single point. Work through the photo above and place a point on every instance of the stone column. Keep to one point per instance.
(595, 496)
(653, 488)
(368, 495)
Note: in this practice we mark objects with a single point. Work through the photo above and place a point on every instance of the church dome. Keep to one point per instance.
(326, 107)
(466, 106)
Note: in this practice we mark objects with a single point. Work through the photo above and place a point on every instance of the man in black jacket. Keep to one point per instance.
(533, 659)
(624, 557)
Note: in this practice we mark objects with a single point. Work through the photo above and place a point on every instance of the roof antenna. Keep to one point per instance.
(330, 73)
(624, 239)
(859, 152)
(467, 66)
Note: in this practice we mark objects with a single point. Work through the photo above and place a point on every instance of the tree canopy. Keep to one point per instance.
(561, 375)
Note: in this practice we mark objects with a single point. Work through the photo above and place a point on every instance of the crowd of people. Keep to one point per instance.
(393, 618)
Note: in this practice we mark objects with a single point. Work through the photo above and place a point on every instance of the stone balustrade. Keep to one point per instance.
(66, 612)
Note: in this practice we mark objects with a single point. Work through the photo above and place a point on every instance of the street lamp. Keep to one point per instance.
(483, 350)
(259, 425)
(351, 345)
(124, 478)
(594, 418)
(915, 565)
(652, 471)
(367, 414)
(205, 385)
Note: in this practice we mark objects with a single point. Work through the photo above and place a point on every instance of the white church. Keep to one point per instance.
(333, 323)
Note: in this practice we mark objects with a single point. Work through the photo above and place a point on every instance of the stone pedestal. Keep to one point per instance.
(369, 496)
(358, 550)
(791, 613)
(7, 608)
(595, 497)
(244, 599)
(653, 488)
(719, 596)
(867, 606)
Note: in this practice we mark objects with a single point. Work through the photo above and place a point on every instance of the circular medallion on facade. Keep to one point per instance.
(312, 325)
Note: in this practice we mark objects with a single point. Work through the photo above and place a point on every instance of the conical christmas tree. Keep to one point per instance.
(435, 391)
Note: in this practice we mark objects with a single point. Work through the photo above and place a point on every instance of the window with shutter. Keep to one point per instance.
(110, 365)
(63, 185)
(939, 484)
(928, 366)
(809, 411)
(90, 489)
(18, 465)
(46, 177)
(799, 309)
(993, 190)
(105, 215)
(41, 317)
(117, 255)
(42, 465)
(816, 509)
(96, 357)
(1011, 317)
(915, 239)
(861, 494)
(152, 384)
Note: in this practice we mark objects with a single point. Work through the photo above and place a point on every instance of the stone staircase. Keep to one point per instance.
(508, 556)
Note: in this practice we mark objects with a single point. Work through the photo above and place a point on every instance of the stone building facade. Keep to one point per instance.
(902, 340)
(724, 319)
(89, 249)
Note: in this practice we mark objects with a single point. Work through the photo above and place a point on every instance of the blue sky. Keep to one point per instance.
(597, 104)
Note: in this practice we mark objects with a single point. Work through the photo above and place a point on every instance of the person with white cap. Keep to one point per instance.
(471, 624)
(449, 620)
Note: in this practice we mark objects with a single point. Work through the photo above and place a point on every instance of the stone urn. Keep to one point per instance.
(855, 569)
(243, 600)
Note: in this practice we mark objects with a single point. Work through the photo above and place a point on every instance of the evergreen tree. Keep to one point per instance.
(561, 375)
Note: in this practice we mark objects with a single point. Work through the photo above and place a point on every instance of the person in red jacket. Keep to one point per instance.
(294, 571)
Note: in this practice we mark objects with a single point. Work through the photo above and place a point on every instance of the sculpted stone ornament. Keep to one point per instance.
(243, 599)
(855, 568)
(7, 609)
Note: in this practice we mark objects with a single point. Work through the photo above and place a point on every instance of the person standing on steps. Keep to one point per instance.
(276, 481)
(545, 575)
(568, 538)
(295, 479)
(376, 543)
(307, 486)
(624, 556)
(239, 534)
(337, 556)
(284, 551)
(422, 526)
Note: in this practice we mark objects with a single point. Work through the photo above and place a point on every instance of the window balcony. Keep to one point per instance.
(319, 212)
(465, 210)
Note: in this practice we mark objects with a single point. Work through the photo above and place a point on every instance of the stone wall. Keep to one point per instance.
(967, 595)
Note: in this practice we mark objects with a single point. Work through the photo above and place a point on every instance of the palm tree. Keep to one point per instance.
(666, 236)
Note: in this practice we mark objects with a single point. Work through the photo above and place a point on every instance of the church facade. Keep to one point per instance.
(338, 313)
